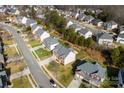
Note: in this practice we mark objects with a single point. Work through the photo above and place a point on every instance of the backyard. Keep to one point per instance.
(63, 74)
(42, 53)
(21, 82)
(11, 52)
(14, 67)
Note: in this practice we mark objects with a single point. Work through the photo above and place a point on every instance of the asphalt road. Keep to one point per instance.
(37, 73)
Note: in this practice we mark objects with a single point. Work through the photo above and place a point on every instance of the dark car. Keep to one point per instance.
(52, 83)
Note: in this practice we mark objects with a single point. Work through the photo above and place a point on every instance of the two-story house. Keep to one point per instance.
(64, 55)
(90, 72)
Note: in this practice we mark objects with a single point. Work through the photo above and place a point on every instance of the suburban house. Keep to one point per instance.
(88, 19)
(35, 28)
(97, 22)
(1, 58)
(30, 22)
(75, 27)
(110, 25)
(104, 39)
(69, 23)
(74, 15)
(121, 78)
(81, 17)
(85, 32)
(121, 29)
(3, 77)
(90, 72)
(64, 55)
(120, 37)
(18, 19)
(50, 43)
(41, 34)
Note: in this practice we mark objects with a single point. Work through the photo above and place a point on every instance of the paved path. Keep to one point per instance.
(32, 84)
(20, 74)
(75, 83)
(40, 78)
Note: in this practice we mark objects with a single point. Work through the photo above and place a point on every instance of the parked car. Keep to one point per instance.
(52, 83)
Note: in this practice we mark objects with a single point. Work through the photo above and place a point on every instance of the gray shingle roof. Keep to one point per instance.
(50, 41)
(19, 19)
(104, 36)
(83, 31)
(34, 27)
(121, 35)
(39, 32)
(92, 68)
(62, 51)
(88, 67)
(30, 21)
(101, 71)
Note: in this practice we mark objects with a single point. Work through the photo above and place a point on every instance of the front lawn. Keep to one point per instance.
(34, 42)
(15, 67)
(10, 52)
(42, 53)
(63, 74)
(21, 82)
(8, 42)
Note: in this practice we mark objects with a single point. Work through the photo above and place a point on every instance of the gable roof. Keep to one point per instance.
(30, 21)
(121, 35)
(91, 68)
(95, 21)
(104, 36)
(35, 27)
(62, 51)
(39, 32)
(83, 31)
(50, 41)
(87, 67)
(101, 70)
(19, 19)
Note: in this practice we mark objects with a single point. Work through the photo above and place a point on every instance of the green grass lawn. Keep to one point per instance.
(21, 82)
(34, 43)
(43, 53)
(63, 74)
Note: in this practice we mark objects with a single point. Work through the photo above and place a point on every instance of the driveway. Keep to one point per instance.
(36, 71)
(75, 83)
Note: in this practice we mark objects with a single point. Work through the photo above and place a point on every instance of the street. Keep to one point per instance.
(39, 76)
